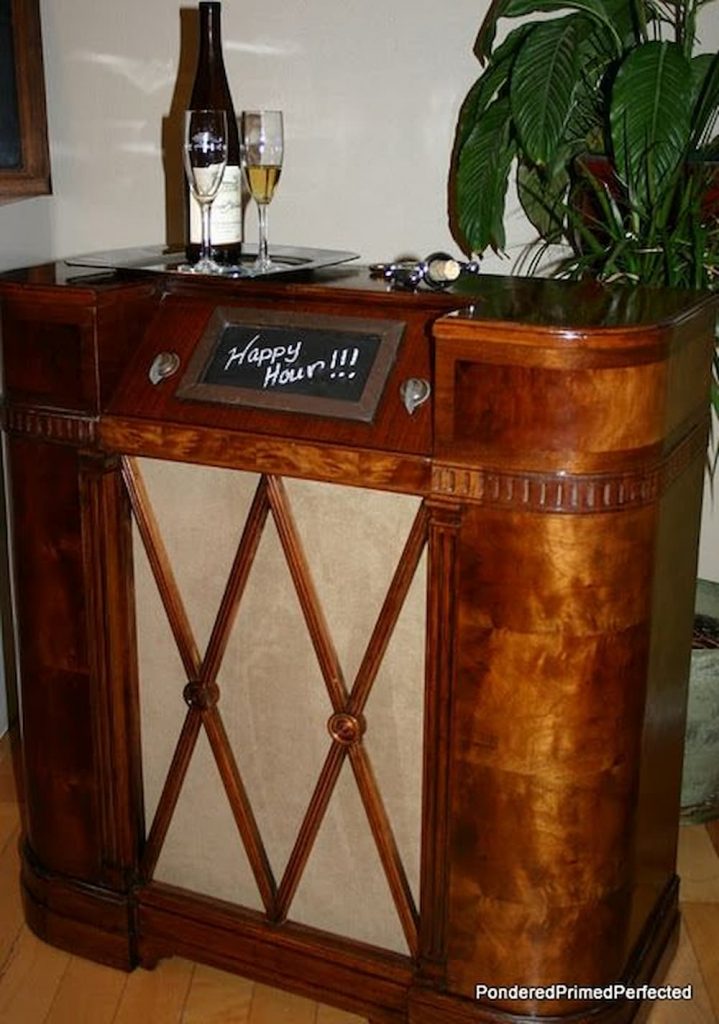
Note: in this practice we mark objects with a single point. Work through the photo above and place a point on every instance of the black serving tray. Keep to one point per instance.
(159, 259)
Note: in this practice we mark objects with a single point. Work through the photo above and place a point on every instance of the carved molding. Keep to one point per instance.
(565, 492)
(51, 426)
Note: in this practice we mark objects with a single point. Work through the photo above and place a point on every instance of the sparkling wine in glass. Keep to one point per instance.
(262, 151)
(205, 154)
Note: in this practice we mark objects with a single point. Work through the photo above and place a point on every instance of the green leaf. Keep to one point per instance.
(705, 108)
(544, 79)
(488, 29)
(598, 9)
(650, 119)
(490, 83)
(587, 122)
(543, 200)
(482, 175)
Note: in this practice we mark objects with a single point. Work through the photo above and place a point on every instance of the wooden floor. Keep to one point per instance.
(42, 985)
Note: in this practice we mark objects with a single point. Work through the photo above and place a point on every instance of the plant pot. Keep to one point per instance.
(700, 782)
(592, 169)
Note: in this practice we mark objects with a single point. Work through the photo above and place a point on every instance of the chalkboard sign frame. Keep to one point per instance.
(195, 387)
(26, 133)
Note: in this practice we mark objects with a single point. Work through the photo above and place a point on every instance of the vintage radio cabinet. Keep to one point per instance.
(374, 705)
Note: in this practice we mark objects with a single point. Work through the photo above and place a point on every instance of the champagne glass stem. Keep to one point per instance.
(205, 246)
(263, 257)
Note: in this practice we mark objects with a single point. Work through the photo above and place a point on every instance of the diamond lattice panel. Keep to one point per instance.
(203, 850)
(395, 739)
(274, 701)
(343, 887)
(304, 634)
(162, 710)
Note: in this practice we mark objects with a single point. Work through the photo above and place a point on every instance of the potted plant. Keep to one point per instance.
(609, 117)
(611, 77)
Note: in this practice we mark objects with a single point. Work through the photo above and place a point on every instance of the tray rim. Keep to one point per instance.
(161, 259)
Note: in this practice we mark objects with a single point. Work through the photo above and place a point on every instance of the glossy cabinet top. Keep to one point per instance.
(534, 302)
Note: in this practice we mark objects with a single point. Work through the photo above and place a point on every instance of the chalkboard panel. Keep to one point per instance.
(292, 362)
(10, 142)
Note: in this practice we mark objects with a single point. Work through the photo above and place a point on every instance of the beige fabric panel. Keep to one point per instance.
(274, 702)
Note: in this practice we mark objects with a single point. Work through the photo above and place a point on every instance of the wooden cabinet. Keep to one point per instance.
(501, 742)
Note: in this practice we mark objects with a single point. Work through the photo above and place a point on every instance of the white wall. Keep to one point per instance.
(370, 91)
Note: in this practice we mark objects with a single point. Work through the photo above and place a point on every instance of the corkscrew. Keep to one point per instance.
(436, 271)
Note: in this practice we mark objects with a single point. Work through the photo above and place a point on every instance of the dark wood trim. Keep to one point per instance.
(32, 177)
(357, 977)
(406, 474)
(107, 555)
(444, 526)
(84, 919)
(51, 426)
(567, 492)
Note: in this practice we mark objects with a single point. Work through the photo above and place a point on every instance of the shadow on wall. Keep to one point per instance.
(172, 129)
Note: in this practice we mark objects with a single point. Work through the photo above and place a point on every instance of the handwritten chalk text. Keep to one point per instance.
(283, 364)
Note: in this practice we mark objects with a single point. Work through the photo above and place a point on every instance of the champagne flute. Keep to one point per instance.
(205, 156)
(262, 151)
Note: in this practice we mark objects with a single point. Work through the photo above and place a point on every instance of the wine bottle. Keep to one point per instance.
(440, 269)
(211, 91)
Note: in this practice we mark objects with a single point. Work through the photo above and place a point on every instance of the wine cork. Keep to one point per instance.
(444, 270)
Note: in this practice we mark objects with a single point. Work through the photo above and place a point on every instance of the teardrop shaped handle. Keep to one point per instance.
(414, 392)
(164, 365)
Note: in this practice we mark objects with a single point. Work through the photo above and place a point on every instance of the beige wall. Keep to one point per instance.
(370, 91)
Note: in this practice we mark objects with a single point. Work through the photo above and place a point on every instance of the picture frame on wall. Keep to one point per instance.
(24, 154)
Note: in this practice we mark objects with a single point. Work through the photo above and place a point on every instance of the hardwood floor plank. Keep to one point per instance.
(712, 828)
(698, 866)
(157, 996)
(329, 1015)
(216, 997)
(9, 815)
(30, 979)
(88, 993)
(9, 825)
(684, 970)
(11, 917)
(270, 1006)
(702, 921)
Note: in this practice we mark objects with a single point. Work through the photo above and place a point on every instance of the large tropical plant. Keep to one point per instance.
(616, 77)
(613, 76)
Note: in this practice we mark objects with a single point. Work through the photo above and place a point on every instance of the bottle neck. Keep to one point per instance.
(210, 33)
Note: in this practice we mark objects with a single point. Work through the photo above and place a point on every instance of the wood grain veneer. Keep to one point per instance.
(558, 472)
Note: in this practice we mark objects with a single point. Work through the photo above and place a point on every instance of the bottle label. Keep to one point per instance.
(226, 216)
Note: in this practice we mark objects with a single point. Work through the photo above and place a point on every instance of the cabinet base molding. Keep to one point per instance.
(157, 921)
(343, 973)
(85, 920)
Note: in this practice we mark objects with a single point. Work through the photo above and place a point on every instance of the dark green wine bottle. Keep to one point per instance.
(211, 91)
